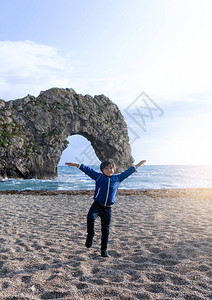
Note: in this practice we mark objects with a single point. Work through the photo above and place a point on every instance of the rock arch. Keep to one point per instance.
(34, 131)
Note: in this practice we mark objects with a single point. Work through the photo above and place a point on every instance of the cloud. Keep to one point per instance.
(27, 67)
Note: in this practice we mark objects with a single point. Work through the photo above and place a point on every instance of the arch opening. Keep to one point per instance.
(79, 150)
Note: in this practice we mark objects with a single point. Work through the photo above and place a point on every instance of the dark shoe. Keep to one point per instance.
(104, 253)
(89, 242)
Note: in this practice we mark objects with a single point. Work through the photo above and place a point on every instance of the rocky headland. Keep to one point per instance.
(34, 131)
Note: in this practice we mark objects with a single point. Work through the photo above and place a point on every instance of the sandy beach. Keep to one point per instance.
(160, 246)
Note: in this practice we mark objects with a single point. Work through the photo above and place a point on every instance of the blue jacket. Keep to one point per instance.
(106, 187)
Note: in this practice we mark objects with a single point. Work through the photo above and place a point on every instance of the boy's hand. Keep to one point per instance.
(72, 164)
(142, 162)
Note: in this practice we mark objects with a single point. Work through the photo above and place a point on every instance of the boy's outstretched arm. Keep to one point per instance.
(129, 171)
(72, 164)
(142, 162)
(88, 171)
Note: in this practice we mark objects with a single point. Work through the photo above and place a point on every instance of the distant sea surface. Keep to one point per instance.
(147, 177)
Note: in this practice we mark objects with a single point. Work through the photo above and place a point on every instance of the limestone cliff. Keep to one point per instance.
(34, 131)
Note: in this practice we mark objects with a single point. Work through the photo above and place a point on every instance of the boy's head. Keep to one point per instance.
(108, 167)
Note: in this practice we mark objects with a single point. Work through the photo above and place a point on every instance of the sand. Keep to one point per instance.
(160, 246)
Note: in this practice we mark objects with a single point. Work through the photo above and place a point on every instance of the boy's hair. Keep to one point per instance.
(106, 163)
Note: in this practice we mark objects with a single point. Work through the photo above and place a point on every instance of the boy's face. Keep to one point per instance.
(109, 170)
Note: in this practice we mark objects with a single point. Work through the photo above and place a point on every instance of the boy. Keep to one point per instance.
(104, 197)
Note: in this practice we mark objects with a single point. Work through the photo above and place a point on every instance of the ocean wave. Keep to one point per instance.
(147, 177)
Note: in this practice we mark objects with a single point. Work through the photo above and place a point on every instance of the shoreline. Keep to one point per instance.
(194, 192)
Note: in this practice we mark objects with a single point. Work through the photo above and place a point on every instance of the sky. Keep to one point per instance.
(152, 58)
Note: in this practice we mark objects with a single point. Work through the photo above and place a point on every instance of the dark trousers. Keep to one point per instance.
(105, 214)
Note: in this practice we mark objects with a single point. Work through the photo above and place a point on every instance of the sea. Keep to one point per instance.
(147, 177)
